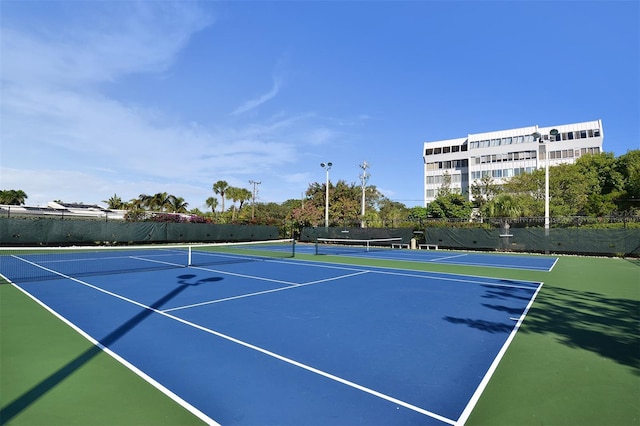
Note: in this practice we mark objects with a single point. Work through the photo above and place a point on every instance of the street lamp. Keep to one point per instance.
(536, 135)
(327, 167)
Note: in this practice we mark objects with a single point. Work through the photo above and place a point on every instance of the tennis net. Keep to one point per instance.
(346, 245)
(39, 263)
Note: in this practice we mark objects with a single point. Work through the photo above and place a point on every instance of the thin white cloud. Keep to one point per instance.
(111, 39)
(255, 103)
(64, 136)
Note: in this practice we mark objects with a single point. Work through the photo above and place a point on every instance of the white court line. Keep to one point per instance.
(447, 257)
(244, 344)
(464, 281)
(258, 293)
(193, 410)
(494, 365)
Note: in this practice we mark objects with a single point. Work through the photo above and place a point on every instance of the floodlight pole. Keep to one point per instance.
(327, 167)
(536, 135)
(364, 177)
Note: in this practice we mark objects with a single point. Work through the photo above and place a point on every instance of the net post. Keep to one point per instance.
(189, 263)
(317, 248)
(293, 247)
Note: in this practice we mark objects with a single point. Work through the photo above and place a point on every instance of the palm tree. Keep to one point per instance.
(161, 201)
(504, 206)
(213, 203)
(114, 202)
(143, 201)
(13, 197)
(176, 204)
(234, 194)
(243, 195)
(220, 188)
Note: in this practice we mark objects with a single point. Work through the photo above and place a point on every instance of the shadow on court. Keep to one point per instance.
(581, 319)
(587, 320)
(15, 407)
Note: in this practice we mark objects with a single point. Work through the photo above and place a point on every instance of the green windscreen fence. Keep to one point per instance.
(38, 231)
(312, 234)
(560, 240)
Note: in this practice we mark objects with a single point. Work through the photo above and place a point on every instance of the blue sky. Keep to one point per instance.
(126, 98)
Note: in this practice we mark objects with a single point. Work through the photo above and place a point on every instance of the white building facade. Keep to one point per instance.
(503, 154)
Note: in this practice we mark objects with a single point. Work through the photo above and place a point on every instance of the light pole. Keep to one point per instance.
(364, 177)
(253, 198)
(327, 167)
(536, 135)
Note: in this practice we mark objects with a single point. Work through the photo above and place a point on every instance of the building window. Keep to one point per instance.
(437, 150)
(464, 147)
(596, 133)
(455, 148)
(429, 151)
(446, 149)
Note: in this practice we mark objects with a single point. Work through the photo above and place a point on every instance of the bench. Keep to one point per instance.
(399, 245)
(427, 246)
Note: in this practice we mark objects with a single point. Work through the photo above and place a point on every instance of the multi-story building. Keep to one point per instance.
(504, 153)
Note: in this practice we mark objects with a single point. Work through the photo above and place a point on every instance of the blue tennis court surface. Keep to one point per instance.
(294, 342)
(511, 261)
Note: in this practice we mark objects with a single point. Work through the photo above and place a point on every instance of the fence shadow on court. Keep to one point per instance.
(22, 402)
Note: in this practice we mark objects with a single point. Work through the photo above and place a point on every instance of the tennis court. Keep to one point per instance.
(396, 249)
(240, 338)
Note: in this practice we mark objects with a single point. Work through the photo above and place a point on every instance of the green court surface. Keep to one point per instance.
(574, 361)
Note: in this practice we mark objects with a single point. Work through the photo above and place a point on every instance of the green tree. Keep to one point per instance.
(115, 202)
(628, 165)
(13, 197)
(391, 212)
(568, 190)
(484, 190)
(450, 205)
(176, 204)
(307, 216)
(528, 188)
(220, 188)
(237, 195)
(244, 195)
(212, 203)
(505, 206)
(606, 182)
(445, 187)
(161, 201)
(418, 214)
